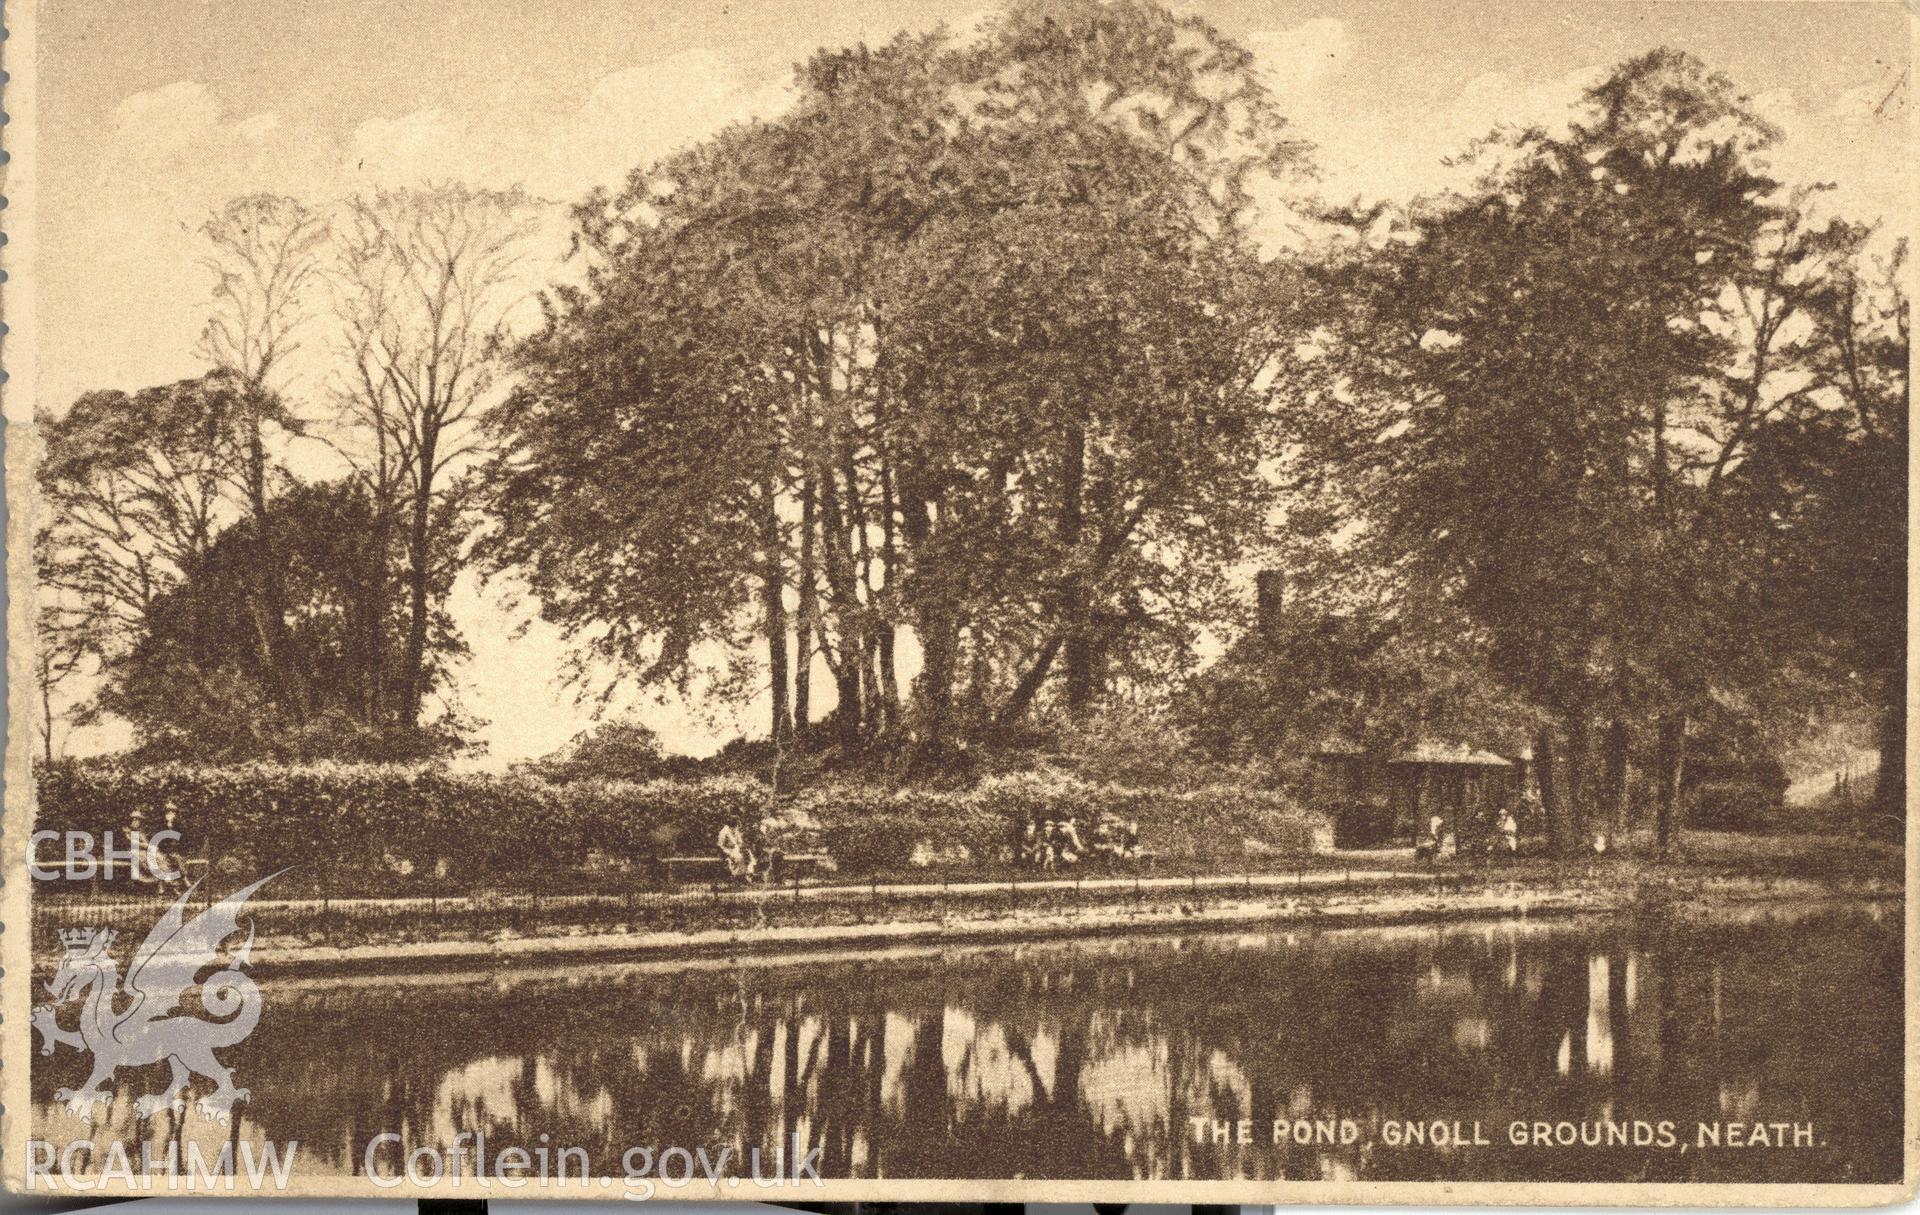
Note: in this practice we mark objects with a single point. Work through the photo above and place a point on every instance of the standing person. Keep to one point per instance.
(1049, 843)
(136, 843)
(165, 860)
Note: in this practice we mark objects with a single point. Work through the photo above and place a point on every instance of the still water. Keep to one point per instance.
(1115, 1058)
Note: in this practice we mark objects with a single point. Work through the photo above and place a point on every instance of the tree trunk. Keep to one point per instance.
(939, 644)
(1076, 612)
(1029, 685)
(1548, 780)
(860, 581)
(773, 609)
(848, 716)
(870, 683)
(1578, 790)
(1084, 672)
(269, 584)
(1616, 777)
(1670, 747)
(419, 575)
(1890, 784)
(372, 622)
(933, 621)
(46, 717)
(809, 617)
(838, 564)
(884, 624)
(889, 679)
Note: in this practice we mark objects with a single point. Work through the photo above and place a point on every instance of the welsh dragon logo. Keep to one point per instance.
(134, 1023)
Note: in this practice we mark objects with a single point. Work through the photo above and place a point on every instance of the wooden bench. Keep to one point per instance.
(777, 867)
(784, 865)
(708, 867)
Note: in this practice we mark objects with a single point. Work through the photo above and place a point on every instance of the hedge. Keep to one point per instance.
(388, 818)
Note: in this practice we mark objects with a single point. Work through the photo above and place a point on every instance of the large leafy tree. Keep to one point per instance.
(1829, 485)
(197, 682)
(141, 488)
(133, 489)
(965, 345)
(1539, 399)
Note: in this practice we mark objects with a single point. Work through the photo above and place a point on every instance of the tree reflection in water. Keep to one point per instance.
(1092, 1059)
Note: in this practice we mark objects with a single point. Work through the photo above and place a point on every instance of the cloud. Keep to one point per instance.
(1358, 155)
(1877, 101)
(259, 128)
(1495, 98)
(167, 118)
(1366, 161)
(129, 301)
(639, 114)
(181, 132)
(427, 145)
(1856, 139)
(1298, 61)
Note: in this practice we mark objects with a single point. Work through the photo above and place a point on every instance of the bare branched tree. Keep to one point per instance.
(264, 255)
(424, 281)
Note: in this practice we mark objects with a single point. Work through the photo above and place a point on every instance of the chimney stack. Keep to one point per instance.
(1270, 599)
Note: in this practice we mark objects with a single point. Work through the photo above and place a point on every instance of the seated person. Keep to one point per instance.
(1067, 843)
(1509, 833)
(1029, 844)
(733, 846)
(1428, 847)
(761, 854)
(1103, 840)
(1115, 837)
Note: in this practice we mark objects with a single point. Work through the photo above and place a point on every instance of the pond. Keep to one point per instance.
(1606, 1047)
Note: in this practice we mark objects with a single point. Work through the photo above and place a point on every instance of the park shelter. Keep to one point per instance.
(1378, 800)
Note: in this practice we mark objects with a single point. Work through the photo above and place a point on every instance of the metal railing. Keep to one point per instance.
(630, 900)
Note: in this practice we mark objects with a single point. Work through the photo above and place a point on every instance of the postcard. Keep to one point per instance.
(1184, 601)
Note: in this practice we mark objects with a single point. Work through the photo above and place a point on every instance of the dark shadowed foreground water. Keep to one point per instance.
(1115, 1058)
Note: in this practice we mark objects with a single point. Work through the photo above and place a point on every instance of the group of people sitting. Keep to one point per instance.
(1050, 843)
(1503, 839)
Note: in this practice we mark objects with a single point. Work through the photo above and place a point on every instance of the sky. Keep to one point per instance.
(150, 115)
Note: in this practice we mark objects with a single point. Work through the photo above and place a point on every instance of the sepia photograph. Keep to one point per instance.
(1009, 601)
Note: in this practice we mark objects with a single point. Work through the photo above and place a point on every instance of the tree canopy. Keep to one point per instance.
(1547, 404)
(969, 345)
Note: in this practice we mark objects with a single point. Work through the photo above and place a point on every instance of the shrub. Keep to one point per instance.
(329, 819)
(880, 829)
(388, 817)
